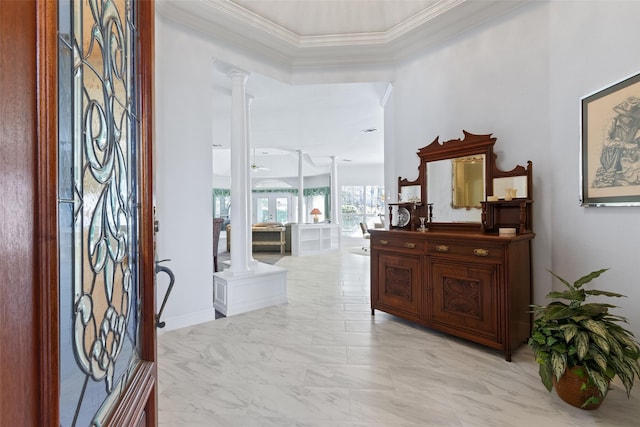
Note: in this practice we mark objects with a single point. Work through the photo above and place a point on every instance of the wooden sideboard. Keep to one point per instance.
(474, 285)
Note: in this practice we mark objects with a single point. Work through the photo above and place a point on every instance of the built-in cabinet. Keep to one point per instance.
(309, 239)
(472, 279)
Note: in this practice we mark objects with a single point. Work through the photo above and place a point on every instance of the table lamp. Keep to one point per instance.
(315, 212)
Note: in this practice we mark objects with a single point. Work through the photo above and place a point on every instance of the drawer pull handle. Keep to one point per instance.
(384, 242)
(410, 245)
(442, 248)
(481, 252)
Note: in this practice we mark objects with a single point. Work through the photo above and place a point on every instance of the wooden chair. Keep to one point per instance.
(217, 226)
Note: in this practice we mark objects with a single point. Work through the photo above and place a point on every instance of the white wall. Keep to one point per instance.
(594, 46)
(183, 174)
(522, 78)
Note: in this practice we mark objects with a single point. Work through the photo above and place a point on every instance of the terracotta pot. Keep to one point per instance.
(569, 388)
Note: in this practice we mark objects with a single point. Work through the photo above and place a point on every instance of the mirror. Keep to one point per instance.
(410, 193)
(519, 183)
(468, 182)
(451, 186)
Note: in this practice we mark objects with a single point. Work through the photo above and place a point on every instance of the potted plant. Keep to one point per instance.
(581, 343)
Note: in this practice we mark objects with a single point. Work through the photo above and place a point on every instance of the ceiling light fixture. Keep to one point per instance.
(255, 166)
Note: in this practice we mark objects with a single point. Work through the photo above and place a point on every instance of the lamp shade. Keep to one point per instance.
(316, 211)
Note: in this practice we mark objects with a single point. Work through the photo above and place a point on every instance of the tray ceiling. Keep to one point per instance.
(314, 33)
(310, 35)
(309, 18)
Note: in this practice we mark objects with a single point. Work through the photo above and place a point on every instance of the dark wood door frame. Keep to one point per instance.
(19, 392)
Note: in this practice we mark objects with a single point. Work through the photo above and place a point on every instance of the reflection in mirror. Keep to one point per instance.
(439, 193)
(519, 183)
(468, 181)
(410, 193)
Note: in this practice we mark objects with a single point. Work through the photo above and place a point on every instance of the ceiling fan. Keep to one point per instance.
(256, 167)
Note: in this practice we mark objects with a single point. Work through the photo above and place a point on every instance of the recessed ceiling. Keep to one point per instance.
(309, 18)
(308, 36)
(302, 34)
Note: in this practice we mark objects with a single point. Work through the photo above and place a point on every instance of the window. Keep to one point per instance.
(319, 198)
(221, 203)
(361, 204)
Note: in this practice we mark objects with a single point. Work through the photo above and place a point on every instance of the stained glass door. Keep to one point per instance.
(100, 126)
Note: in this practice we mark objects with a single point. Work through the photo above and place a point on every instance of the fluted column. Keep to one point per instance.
(301, 214)
(335, 193)
(240, 182)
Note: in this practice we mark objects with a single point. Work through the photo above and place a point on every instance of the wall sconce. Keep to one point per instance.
(315, 212)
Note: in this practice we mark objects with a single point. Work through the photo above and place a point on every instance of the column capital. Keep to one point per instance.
(238, 74)
(229, 69)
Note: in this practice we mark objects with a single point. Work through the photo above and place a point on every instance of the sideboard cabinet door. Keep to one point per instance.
(398, 287)
(465, 298)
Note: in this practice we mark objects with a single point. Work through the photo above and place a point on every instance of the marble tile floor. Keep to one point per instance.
(322, 360)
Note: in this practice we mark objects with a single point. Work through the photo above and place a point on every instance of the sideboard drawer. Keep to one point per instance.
(477, 250)
(406, 243)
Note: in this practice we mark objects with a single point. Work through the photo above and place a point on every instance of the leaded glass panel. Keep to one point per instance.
(97, 192)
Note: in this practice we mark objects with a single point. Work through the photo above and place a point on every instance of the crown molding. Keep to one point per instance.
(223, 12)
(244, 31)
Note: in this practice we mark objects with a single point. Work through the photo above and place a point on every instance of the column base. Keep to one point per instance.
(265, 285)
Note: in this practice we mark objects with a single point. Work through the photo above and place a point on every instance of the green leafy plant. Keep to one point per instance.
(570, 332)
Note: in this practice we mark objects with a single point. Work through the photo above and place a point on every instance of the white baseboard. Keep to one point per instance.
(189, 319)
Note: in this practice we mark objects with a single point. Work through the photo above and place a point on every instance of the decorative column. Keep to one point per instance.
(240, 182)
(301, 214)
(390, 176)
(249, 192)
(335, 194)
(247, 285)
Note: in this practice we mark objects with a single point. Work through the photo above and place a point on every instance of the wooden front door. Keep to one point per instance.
(77, 292)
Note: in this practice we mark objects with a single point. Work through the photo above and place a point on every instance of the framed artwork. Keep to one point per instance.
(610, 148)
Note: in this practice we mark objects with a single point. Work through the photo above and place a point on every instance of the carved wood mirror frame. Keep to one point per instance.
(471, 144)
